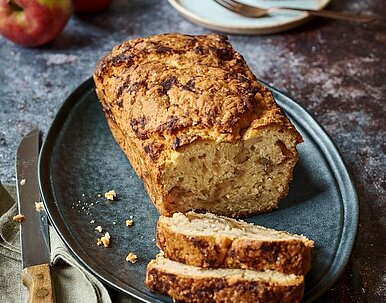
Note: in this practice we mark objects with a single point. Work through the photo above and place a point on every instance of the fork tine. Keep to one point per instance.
(227, 5)
(241, 8)
(239, 4)
(233, 3)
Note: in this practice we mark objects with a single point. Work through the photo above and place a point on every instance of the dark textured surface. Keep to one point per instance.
(81, 159)
(336, 70)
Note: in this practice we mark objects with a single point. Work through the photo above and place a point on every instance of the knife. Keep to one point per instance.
(36, 275)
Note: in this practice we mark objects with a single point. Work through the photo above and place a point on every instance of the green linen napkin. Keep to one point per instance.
(72, 282)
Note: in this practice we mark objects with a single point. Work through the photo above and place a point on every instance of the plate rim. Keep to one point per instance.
(245, 30)
(349, 231)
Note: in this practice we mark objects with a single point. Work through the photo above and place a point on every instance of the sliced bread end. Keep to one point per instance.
(187, 283)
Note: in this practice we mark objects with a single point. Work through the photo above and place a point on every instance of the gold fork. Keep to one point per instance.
(257, 12)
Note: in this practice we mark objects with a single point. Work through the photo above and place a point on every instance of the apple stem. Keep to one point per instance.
(14, 5)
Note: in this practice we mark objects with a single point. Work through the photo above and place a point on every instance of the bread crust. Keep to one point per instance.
(287, 256)
(224, 289)
(163, 93)
(150, 99)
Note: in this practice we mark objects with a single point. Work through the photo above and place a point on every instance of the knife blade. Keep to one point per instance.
(36, 275)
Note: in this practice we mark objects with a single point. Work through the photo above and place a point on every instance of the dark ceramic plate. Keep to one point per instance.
(80, 159)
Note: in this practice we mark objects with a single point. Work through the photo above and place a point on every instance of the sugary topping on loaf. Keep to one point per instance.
(170, 90)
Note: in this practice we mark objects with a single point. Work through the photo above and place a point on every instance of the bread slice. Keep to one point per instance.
(186, 283)
(196, 125)
(207, 240)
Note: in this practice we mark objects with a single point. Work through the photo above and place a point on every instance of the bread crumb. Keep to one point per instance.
(115, 223)
(131, 258)
(18, 218)
(110, 195)
(129, 222)
(99, 195)
(83, 195)
(92, 221)
(22, 181)
(39, 206)
(105, 240)
(99, 228)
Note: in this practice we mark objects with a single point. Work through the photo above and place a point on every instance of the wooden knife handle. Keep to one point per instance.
(38, 281)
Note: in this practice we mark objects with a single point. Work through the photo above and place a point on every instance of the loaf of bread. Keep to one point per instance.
(186, 283)
(207, 240)
(196, 125)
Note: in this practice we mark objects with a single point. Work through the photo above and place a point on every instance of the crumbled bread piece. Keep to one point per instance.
(115, 223)
(83, 195)
(39, 206)
(92, 221)
(105, 240)
(99, 195)
(110, 195)
(99, 228)
(129, 222)
(22, 181)
(18, 218)
(131, 258)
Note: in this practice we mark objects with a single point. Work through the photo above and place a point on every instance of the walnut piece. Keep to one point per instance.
(131, 257)
(110, 195)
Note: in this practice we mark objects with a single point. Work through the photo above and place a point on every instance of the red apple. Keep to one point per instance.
(90, 6)
(33, 22)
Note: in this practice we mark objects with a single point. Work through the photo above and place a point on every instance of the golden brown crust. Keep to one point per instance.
(172, 89)
(287, 256)
(203, 289)
(141, 164)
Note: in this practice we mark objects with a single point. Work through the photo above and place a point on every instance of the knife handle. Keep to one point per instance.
(37, 279)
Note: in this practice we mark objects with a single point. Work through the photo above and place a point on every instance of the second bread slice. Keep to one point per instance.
(187, 283)
(207, 240)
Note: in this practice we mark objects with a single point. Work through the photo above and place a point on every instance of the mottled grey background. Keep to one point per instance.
(337, 70)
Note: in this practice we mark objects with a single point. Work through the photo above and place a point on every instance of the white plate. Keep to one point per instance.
(213, 16)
